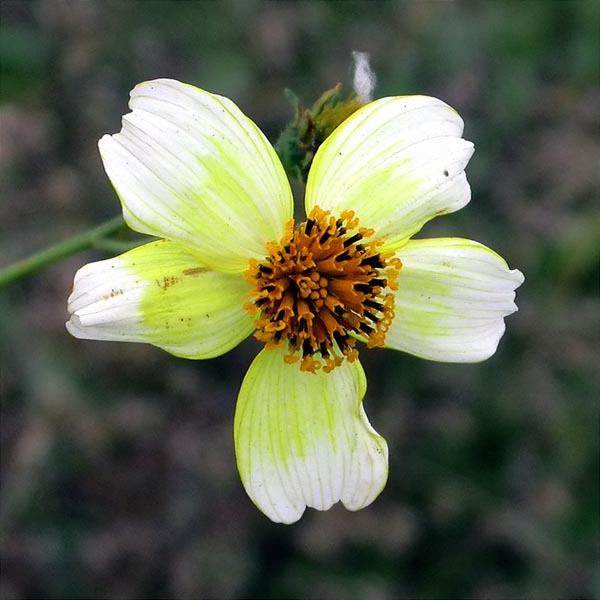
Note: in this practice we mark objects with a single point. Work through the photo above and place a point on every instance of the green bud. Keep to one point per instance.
(302, 137)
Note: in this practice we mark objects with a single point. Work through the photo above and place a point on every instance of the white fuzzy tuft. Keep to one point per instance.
(364, 78)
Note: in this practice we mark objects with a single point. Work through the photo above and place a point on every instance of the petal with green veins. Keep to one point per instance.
(159, 294)
(397, 162)
(452, 297)
(189, 166)
(303, 439)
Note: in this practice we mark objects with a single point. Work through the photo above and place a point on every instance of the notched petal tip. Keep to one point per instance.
(398, 162)
(189, 166)
(303, 439)
(452, 299)
(517, 277)
(159, 294)
(73, 326)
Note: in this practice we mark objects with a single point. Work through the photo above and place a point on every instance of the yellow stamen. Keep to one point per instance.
(321, 287)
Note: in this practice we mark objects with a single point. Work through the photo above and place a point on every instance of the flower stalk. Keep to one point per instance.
(93, 238)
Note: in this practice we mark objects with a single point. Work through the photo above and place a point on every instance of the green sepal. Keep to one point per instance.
(300, 140)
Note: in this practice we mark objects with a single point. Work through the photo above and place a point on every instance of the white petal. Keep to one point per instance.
(453, 295)
(191, 167)
(159, 294)
(397, 162)
(303, 439)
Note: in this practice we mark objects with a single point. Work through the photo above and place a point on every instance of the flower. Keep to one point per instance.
(191, 168)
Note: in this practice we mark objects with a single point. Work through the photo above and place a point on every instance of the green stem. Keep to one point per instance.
(48, 256)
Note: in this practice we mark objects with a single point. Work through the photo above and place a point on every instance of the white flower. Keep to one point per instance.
(190, 168)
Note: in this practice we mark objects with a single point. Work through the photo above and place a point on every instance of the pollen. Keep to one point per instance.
(322, 287)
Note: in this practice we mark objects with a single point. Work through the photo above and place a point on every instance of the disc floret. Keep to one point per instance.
(324, 285)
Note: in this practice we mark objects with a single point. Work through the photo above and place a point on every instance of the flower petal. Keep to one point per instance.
(303, 439)
(397, 162)
(191, 167)
(453, 295)
(158, 293)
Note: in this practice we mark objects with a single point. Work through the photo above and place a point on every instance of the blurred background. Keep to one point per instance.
(118, 473)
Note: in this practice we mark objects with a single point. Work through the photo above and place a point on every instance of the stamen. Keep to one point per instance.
(352, 240)
(319, 290)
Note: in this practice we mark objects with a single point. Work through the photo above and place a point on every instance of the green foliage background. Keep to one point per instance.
(118, 474)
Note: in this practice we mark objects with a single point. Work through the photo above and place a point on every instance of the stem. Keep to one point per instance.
(46, 257)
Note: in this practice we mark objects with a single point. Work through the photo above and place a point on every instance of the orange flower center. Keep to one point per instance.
(322, 287)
